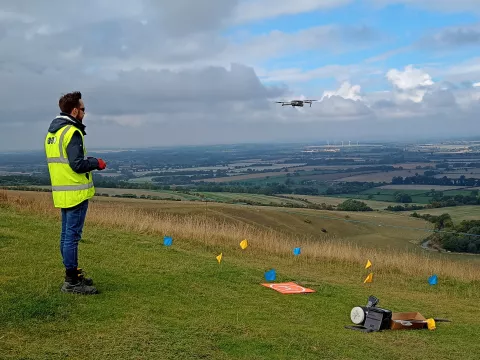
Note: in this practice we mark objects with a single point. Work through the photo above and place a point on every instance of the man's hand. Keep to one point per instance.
(101, 164)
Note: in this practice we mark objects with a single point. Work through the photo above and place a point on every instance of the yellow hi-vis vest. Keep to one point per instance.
(68, 187)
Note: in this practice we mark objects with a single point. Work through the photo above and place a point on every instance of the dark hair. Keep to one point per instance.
(69, 101)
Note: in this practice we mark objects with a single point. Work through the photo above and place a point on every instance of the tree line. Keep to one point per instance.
(431, 180)
(464, 237)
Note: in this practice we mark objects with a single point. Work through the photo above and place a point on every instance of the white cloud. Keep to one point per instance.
(346, 91)
(413, 94)
(410, 84)
(476, 84)
(410, 78)
(336, 106)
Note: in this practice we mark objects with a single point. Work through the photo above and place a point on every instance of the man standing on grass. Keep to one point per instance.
(72, 184)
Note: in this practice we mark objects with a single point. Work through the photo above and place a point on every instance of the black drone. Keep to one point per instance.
(294, 103)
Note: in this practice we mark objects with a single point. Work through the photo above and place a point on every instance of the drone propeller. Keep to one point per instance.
(309, 102)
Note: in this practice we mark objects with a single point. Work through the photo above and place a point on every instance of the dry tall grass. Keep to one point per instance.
(213, 232)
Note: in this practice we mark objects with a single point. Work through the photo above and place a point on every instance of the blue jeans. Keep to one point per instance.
(73, 220)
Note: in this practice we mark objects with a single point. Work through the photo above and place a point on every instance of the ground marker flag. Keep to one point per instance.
(296, 251)
(244, 244)
(219, 258)
(167, 241)
(369, 278)
(369, 264)
(433, 280)
(270, 275)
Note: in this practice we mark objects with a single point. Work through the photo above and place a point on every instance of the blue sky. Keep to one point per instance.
(372, 31)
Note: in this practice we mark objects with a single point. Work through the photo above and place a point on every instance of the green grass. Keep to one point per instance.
(457, 192)
(280, 178)
(212, 196)
(220, 197)
(178, 302)
(418, 196)
(458, 213)
(331, 200)
(262, 199)
(141, 180)
(388, 195)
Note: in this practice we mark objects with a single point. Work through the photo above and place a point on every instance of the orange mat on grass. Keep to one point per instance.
(289, 288)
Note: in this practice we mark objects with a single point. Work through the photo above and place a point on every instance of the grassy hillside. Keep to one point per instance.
(178, 302)
(362, 229)
(330, 200)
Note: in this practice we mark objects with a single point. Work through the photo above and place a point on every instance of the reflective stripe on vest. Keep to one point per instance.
(68, 187)
(62, 159)
(57, 161)
(72, 187)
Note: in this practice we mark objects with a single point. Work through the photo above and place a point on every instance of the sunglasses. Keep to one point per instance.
(83, 109)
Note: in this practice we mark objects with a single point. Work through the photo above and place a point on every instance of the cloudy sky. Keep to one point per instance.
(158, 72)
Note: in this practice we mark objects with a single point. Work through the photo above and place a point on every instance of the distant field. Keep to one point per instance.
(457, 175)
(281, 176)
(407, 166)
(412, 192)
(388, 195)
(410, 166)
(272, 167)
(463, 160)
(144, 179)
(110, 174)
(200, 168)
(263, 199)
(419, 187)
(419, 194)
(332, 176)
(326, 177)
(376, 205)
(462, 171)
(212, 196)
(380, 176)
(458, 213)
(242, 177)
